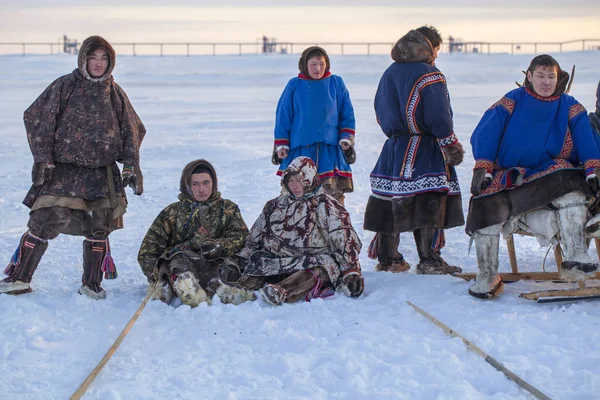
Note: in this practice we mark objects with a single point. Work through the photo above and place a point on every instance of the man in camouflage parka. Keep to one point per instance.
(193, 240)
(78, 129)
(302, 245)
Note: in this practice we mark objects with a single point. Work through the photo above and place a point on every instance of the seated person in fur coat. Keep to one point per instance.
(193, 240)
(302, 246)
(414, 183)
(536, 169)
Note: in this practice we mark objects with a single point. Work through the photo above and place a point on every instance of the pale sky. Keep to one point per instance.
(306, 20)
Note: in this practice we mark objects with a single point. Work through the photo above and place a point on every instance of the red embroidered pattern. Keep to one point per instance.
(506, 103)
(575, 110)
(537, 96)
(592, 164)
(567, 147)
(415, 96)
(488, 165)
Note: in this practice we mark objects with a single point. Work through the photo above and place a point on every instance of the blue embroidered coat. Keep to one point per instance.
(312, 117)
(413, 108)
(523, 137)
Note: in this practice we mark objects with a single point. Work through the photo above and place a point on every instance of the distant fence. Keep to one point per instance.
(339, 48)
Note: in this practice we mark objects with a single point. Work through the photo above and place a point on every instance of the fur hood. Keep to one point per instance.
(90, 44)
(306, 170)
(413, 47)
(303, 62)
(186, 179)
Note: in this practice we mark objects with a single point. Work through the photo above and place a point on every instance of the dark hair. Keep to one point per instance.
(203, 169)
(315, 53)
(543, 60)
(432, 34)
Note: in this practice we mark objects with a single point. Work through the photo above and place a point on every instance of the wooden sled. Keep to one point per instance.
(545, 296)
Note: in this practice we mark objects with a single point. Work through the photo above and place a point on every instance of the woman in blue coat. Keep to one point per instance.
(315, 119)
(414, 185)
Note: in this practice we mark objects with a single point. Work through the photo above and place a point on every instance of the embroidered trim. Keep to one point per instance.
(575, 110)
(415, 96)
(448, 140)
(394, 187)
(409, 157)
(567, 146)
(505, 102)
(591, 164)
(488, 165)
(537, 96)
(347, 130)
(282, 142)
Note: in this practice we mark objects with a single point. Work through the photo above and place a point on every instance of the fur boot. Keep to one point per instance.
(572, 217)
(23, 264)
(94, 251)
(188, 289)
(390, 259)
(301, 284)
(163, 292)
(488, 282)
(230, 293)
(429, 242)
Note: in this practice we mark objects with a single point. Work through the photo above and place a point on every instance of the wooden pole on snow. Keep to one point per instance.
(490, 360)
(90, 378)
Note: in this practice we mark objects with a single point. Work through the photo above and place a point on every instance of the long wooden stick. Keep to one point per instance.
(490, 360)
(90, 378)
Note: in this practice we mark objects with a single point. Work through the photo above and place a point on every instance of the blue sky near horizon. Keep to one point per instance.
(307, 20)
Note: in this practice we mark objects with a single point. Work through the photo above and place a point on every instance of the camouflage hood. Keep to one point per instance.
(90, 45)
(306, 170)
(186, 180)
(303, 62)
(413, 47)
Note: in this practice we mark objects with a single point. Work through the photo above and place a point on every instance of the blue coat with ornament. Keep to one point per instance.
(312, 117)
(524, 137)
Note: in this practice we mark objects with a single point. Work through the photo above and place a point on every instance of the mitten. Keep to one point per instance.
(355, 284)
(350, 155)
(592, 180)
(211, 249)
(129, 178)
(229, 273)
(454, 154)
(42, 172)
(479, 181)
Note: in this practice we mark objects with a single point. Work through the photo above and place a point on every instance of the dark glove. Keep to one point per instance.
(355, 284)
(454, 154)
(595, 121)
(129, 178)
(139, 185)
(229, 273)
(350, 155)
(42, 172)
(211, 249)
(479, 181)
(592, 181)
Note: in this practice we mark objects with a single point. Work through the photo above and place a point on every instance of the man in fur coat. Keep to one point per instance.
(193, 240)
(303, 245)
(78, 129)
(536, 169)
(414, 184)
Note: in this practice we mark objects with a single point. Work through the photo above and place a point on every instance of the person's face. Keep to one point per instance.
(544, 80)
(316, 67)
(295, 186)
(435, 52)
(201, 186)
(97, 63)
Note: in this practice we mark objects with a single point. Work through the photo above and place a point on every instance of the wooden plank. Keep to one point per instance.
(533, 276)
(589, 291)
(512, 255)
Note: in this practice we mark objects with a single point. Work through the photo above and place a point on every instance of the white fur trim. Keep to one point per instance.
(347, 141)
(282, 147)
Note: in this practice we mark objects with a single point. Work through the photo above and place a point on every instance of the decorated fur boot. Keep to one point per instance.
(231, 293)
(572, 216)
(188, 289)
(95, 254)
(429, 242)
(23, 264)
(162, 292)
(488, 282)
(307, 285)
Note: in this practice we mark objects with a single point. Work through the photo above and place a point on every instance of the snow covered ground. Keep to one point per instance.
(375, 347)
